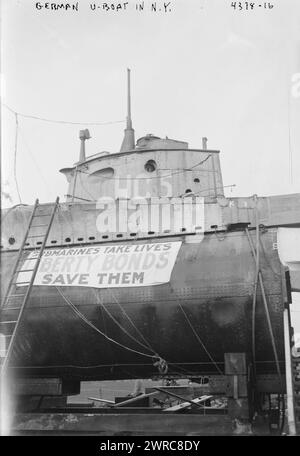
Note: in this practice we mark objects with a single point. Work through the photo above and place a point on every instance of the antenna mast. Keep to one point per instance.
(128, 141)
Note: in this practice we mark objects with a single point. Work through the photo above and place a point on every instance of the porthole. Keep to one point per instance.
(188, 190)
(105, 236)
(119, 235)
(91, 238)
(53, 242)
(196, 180)
(68, 239)
(11, 240)
(79, 239)
(150, 166)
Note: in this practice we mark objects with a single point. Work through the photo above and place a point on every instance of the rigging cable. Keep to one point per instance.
(84, 187)
(289, 138)
(159, 361)
(15, 156)
(156, 356)
(109, 346)
(266, 309)
(138, 331)
(120, 326)
(184, 195)
(197, 336)
(17, 115)
(129, 319)
(270, 329)
(80, 315)
(26, 116)
(153, 177)
(206, 189)
(254, 300)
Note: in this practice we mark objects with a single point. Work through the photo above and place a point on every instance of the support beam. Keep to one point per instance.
(288, 374)
(236, 370)
(134, 399)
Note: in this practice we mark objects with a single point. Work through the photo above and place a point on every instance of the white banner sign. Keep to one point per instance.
(107, 266)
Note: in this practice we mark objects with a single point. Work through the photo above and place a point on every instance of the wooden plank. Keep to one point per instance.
(134, 399)
(106, 401)
(115, 424)
(37, 386)
(190, 391)
(178, 397)
(184, 405)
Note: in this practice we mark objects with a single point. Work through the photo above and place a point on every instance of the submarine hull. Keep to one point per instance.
(204, 311)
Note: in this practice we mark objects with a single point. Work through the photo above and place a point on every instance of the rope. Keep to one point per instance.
(152, 177)
(181, 368)
(80, 315)
(161, 364)
(263, 252)
(158, 361)
(198, 338)
(61, 121)
(207, 188)
(173, 364)
(145, 340)
(101, 365)
(266, 310)
(184, 195)
(254, 301)
(84, 187)
(119, 325)
(290, 139)
(109, 346)
(137, 330)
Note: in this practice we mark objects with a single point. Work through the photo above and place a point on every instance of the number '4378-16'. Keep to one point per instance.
(250, 5)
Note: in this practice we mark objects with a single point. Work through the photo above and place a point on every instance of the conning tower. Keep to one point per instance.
(150, 167)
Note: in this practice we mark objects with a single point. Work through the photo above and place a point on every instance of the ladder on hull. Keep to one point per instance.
(11, 294)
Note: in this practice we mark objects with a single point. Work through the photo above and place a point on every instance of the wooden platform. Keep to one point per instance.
(112, 424)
